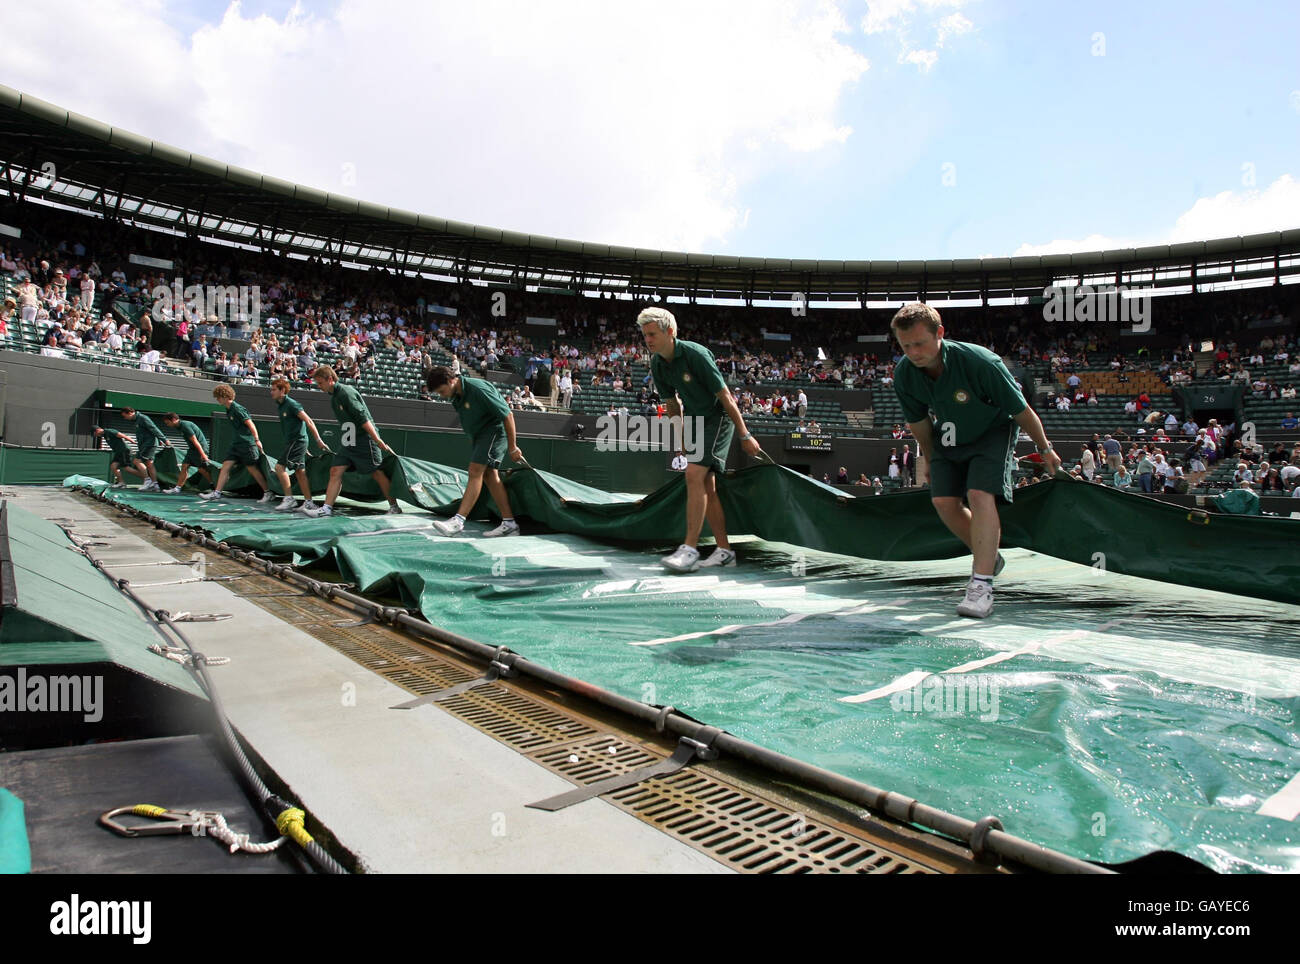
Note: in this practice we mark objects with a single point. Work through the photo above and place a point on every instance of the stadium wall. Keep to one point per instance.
(49, 405)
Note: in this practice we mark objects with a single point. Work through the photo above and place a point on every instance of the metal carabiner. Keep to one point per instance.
(193, 822)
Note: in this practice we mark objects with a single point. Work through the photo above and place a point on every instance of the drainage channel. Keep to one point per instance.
(726, 810)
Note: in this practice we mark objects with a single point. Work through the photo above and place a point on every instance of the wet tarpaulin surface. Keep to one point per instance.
(1098, 713)
(1095, 525)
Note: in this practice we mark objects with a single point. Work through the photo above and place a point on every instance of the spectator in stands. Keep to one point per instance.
(863, 480)
(907, 465)
(1087, 463)
(1243, 474)
(1271, 481)
(877, 487)
(51, 347)
(1290, 421)
(1062, 403)
(1122, 478)
(1289, 473)
(149, 359)
(1112, 453)
(1145, 470)
(1166, 475)
(28, 300)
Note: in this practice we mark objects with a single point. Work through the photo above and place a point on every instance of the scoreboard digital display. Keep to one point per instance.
(804, 442)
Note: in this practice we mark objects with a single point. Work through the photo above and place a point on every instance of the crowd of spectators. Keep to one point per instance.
(311, 310)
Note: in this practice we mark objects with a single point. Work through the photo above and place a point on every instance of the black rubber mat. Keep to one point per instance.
(67, 788)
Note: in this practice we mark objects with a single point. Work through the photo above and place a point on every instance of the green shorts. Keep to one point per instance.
(359, 458)
(985, 464)
(148, 448)
(489, 448)
(712, 441)
(194, 458)
(295, 455)
(243, 453)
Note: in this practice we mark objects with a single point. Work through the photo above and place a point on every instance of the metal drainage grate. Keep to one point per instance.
(729, 824)
(515, 719)
(392, 658)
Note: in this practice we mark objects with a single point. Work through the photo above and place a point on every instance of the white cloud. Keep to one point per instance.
(898, 17)
(636, 122)
(1228, 214)
(925, 59)
(953, 25)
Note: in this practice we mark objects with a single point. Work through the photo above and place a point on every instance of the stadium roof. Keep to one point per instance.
(116, 174)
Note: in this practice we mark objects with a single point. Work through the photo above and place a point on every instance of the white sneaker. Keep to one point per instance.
(510, 528)
(210, 495)
(997, 566)
(394, 509)
(118, 485)
(146, 486)
(685, 559)
(319, 512)
(307, 506)
(174, 490)
(287, 503)
(979, 600)
(267, 498)
(720, 557)
(451, 526)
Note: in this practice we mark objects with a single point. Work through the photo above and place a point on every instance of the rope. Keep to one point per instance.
(179, 654)
(217, 827)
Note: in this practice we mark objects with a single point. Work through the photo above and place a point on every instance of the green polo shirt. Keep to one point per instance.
(292, 428)
(349, 406)
(479, 405)
(188, 429)
(693, 375)
(146, 426)
(239, 417)
(117, 443)
(975, 392)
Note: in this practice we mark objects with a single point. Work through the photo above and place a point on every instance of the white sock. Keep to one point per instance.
(987, 579)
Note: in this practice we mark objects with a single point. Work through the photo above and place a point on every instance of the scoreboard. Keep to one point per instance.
(804, 442)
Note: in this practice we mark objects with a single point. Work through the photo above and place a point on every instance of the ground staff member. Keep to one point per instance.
(490, 425)
(686, 370)
(970, 445)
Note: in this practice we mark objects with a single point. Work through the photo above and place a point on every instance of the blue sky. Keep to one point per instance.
(789, 128)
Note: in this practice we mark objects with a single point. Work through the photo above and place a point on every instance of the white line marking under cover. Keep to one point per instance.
(783, 621)
(1284, 804)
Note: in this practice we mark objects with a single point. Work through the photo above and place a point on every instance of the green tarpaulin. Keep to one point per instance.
(1100, 714)
(1094, 525)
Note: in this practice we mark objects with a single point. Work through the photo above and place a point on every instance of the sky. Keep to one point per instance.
(895, 129)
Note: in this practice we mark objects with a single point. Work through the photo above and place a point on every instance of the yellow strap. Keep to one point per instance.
(148, 810)
(290, 824)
